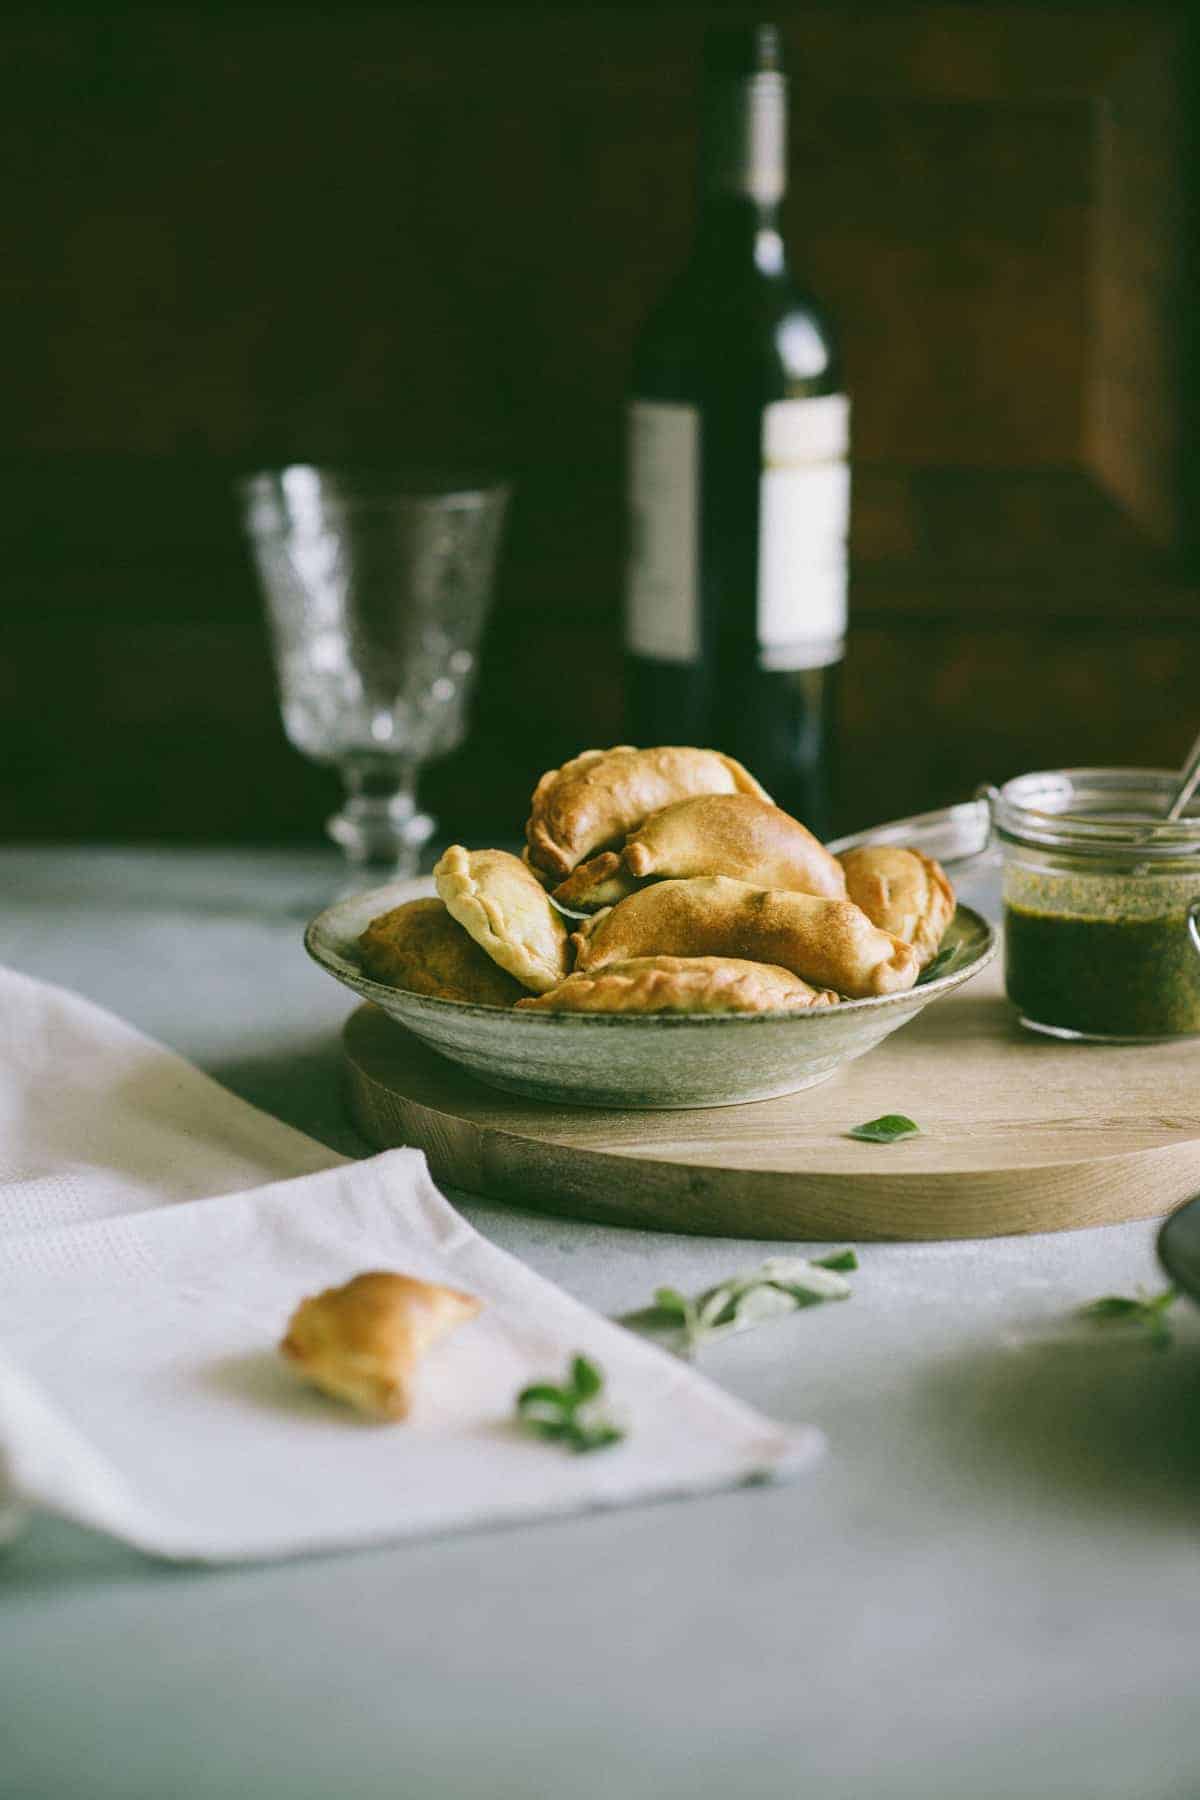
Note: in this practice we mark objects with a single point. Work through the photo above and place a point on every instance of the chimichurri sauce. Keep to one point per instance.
(1110, 977)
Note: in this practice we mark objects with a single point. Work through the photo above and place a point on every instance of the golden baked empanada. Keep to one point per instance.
(738, 835)
(507, 911)
(362, 1342)
(681, 984)
(903, 892)
(600, 881)
(418, 946)
(594, 800)
(828, 942)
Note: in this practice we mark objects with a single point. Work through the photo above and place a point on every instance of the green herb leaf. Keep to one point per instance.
(885, 1130)
(679, 1307)
(549, 1428)
(780, 1285)
(716, 1307)
(939, 964)
(1144, 1313)
(568, 1415)
(586, 1378)
(839, 1260)
(754, 1306)
(542, 1395)
(1111, 1306)
(808, 1281)
(594, 1437)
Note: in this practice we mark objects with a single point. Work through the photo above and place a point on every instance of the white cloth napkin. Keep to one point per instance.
(155, 1234)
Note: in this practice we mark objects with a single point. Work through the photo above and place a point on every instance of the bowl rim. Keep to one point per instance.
(343, 970)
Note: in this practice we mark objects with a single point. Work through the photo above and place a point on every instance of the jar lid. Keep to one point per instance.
(954, 835)
(1097, 812)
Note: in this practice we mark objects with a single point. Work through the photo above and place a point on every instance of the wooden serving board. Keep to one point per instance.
(1019, 1133)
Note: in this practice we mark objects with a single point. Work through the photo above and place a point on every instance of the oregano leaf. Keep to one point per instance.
(838, 1260)
(1145, 1312)
(758, 1304)
(586, 1378)
(569, 1415)
(780, 1285)
(542, 1395)
(1111, 1306)
(713, 1305)
(939, 964)
(888, 1129)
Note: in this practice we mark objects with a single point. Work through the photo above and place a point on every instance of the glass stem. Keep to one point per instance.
(380, 826)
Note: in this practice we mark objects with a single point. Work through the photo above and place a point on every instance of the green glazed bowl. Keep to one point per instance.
(658, 1061)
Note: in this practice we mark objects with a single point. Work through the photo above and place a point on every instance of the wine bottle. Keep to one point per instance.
(739, 481)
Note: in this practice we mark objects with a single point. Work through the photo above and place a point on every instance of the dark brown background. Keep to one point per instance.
(239, 237)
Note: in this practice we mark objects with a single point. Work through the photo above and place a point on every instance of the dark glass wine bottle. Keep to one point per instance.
(739, 480)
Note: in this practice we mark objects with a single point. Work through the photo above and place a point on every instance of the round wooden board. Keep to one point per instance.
(1019, 1133)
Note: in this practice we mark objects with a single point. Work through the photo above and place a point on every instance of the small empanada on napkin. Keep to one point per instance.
(418, 946)
(362, 1342)
(903, 892)
(830, 943)
(592, 802)
(681, 984)
(507, 911)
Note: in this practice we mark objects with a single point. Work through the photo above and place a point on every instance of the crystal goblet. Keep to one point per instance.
(377, 586)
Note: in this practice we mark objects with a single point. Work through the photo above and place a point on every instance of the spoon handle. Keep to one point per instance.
(1189, 779)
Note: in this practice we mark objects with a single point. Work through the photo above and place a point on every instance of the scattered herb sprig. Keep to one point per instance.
(939, 965)
(886, 1130)
(778, 1286)
(570, 1415)
(1143, 1312)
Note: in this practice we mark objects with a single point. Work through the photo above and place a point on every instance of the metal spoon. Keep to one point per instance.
(1189, 780)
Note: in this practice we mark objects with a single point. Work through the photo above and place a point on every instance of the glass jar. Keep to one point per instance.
(1101, 904)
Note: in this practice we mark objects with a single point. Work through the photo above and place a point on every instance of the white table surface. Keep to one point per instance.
(991, 1588)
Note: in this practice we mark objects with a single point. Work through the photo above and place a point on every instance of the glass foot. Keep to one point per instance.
(381, 828)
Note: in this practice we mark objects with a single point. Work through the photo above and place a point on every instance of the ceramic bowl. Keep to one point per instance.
(658, 1061)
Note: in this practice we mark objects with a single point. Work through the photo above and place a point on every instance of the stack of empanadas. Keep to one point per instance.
(688, 891)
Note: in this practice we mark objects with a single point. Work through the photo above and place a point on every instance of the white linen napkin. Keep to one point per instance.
(141, 1390)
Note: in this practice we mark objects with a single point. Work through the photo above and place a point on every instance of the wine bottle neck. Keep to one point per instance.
(745, 139)
(735, 231)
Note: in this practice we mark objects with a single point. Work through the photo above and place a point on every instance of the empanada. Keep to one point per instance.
(418, 946)
(362, 1342)
(507, 911)
(600, 881)
(681, 984)
(594, 800)
(739, 835)
(903, 892)
(828, 942)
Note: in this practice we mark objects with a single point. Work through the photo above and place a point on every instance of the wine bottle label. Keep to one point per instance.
(804, 515)
(663, 610)
(803, 530)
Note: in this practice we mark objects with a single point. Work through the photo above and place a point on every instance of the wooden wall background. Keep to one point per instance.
(237, 237)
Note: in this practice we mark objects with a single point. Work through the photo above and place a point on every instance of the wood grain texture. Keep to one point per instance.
(1019, 1134)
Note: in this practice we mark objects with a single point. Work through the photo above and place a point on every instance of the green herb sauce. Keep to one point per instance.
(1109, 976)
